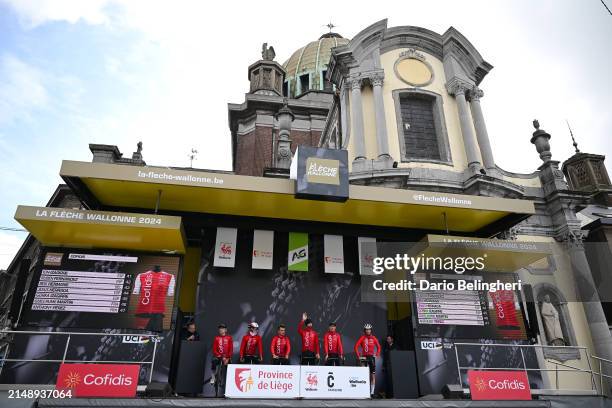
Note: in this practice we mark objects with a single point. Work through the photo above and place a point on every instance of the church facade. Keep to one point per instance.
(405, 104)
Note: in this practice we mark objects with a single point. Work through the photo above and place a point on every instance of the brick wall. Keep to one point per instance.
(254, 152)
(254, 149)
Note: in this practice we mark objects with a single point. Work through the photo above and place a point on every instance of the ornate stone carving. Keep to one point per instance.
(355, 83)
(476, 93)
(458, 86)
(540, 139)
(377, 80)
(572, 237)
(412, 53)
(267, 53)
(509, 234)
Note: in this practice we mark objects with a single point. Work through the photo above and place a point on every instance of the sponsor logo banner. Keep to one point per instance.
(367, 252)
(225, 247)
(99, 380)
(499, 385)
(262, 381)
(333, 253)
(263, 249)
(298, 251)
(334, 382)
(324, 171)
(320, 174)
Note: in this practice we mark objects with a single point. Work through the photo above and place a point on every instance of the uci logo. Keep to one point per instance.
(430, 345)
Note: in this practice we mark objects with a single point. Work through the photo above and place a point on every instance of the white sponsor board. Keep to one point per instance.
(334, 382)
(269, 381)
(262, 381)
(367, 252)
(263, 249)
(225, 247)
(333, 249)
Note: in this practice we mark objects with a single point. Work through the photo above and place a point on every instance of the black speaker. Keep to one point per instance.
(452, 391)
(158, 390)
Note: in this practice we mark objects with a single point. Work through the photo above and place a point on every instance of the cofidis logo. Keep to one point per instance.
(99, 380)
(499, 385)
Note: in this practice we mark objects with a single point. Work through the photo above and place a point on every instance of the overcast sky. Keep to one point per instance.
(76, 72)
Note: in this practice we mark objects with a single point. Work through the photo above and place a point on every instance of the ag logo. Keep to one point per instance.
(243, 379)
(430, 345)
(299, 254)
(330, 379)
(72, 379)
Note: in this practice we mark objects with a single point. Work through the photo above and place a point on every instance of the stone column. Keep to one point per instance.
(344, 115)
(458, 89)
(283, 147)
(379, 111)
(588, 295)
(481, 129)
(357, 120)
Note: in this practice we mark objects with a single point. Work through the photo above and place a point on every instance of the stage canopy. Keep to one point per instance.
(147, 187)
(65, 227)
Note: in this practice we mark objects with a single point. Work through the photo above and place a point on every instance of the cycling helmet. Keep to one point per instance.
(253, 325)
(222, 326)
(367, 326)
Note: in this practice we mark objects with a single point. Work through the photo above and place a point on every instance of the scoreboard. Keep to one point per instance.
(452, 307)
(102, 289)
(468, 314)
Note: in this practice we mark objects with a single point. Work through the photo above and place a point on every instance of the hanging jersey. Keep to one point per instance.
(153, 289)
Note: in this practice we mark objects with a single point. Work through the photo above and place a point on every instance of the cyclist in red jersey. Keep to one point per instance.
(222, 349)
(310, 341)
(332, 346)
(280, 347)
(251, 349)
(370, 349)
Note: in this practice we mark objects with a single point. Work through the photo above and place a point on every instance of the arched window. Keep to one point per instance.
(421, 126)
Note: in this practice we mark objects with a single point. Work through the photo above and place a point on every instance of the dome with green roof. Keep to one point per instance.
(306, 68)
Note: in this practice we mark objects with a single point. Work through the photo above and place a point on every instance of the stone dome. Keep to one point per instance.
(307, 66)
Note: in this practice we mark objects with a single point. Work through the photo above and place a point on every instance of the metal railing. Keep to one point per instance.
(69, 335)
(541, 363)
(603, 389)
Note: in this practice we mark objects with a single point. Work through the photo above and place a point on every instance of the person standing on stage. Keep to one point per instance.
(332, 346)
(251, 349)
(370, 349)
(310, 341)
(222, 349)
(280, 347)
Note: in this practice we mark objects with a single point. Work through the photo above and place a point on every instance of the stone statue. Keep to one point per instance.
(536, 124)
(552, 324)
(139, 147)
(267, 53)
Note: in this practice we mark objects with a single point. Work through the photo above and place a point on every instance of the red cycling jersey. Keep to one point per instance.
(332, 343)
(223, 346)
(251, 346)
(367, 344)
(310, 338)
(280, 346)
(153, 288)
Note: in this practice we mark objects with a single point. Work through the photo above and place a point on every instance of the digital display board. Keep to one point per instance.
(93, 289)
(468, 313)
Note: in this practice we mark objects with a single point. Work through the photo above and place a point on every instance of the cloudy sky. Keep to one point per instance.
(74, 72)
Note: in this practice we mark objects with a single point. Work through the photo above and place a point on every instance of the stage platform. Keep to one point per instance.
(549, 402)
